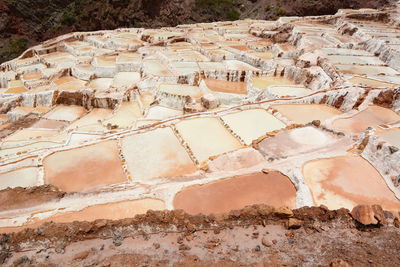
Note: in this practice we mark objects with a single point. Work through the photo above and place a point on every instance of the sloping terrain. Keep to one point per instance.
(255, 236)
(26, 22)
(247, 142)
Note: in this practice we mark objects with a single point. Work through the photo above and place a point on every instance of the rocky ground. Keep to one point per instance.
(25, 22)
(254, 236)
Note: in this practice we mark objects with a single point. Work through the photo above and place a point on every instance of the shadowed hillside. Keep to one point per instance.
(26, 22)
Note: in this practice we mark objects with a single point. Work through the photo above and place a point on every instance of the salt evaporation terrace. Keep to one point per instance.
(204, 117)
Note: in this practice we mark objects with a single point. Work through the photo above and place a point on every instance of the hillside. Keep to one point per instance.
(26, 22)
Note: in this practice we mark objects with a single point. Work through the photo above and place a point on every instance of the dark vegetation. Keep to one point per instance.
(26, 22)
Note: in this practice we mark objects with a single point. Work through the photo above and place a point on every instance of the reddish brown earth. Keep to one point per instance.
(273, 189)
(254, 236)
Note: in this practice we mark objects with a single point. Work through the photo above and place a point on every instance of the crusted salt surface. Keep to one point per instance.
(148, 115)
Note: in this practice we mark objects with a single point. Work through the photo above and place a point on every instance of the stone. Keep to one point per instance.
(339, 263)
(184, 247)
(191, 107)
(82, 255)
(316, 123)
(294, 223)
(369, 215)
(283, 212)
(396, 222)
(209, 101)
(266, 242)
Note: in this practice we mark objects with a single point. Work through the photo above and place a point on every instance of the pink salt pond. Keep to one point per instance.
(110, 211)
(391, 136)
(346, 182)
(49, 124)
(24, 177)
(370, 117)
(84, 169)
(305, 113)
(66, 113)
(154, 154)
(273, 189)
(295, 142)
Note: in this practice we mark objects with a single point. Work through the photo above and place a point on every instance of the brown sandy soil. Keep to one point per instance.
(254, 236)
(18, 198)
(272, 188)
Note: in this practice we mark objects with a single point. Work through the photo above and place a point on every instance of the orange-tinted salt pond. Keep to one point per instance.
(109, 211)
(366, 70)
(263, 82)
(156, 153)
(226, 86)
(24, 177)
(253, 123)
(66, 113)
(288, 91)
(92, 120)
(347, 181)
(370, 82)
(391, 136)
(370, 117)
(305, 113)
(207, 137)
(30, 134)
(84, 169)
(181, 90)
(126, 115)
(273, 189)
(49, 124)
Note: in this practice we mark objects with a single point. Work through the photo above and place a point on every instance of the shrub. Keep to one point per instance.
(225, 9)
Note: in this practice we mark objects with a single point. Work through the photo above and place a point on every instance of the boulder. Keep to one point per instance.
(369, 215)
(192, 108)
(209, 101)
(283, 212)
(294, 223)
